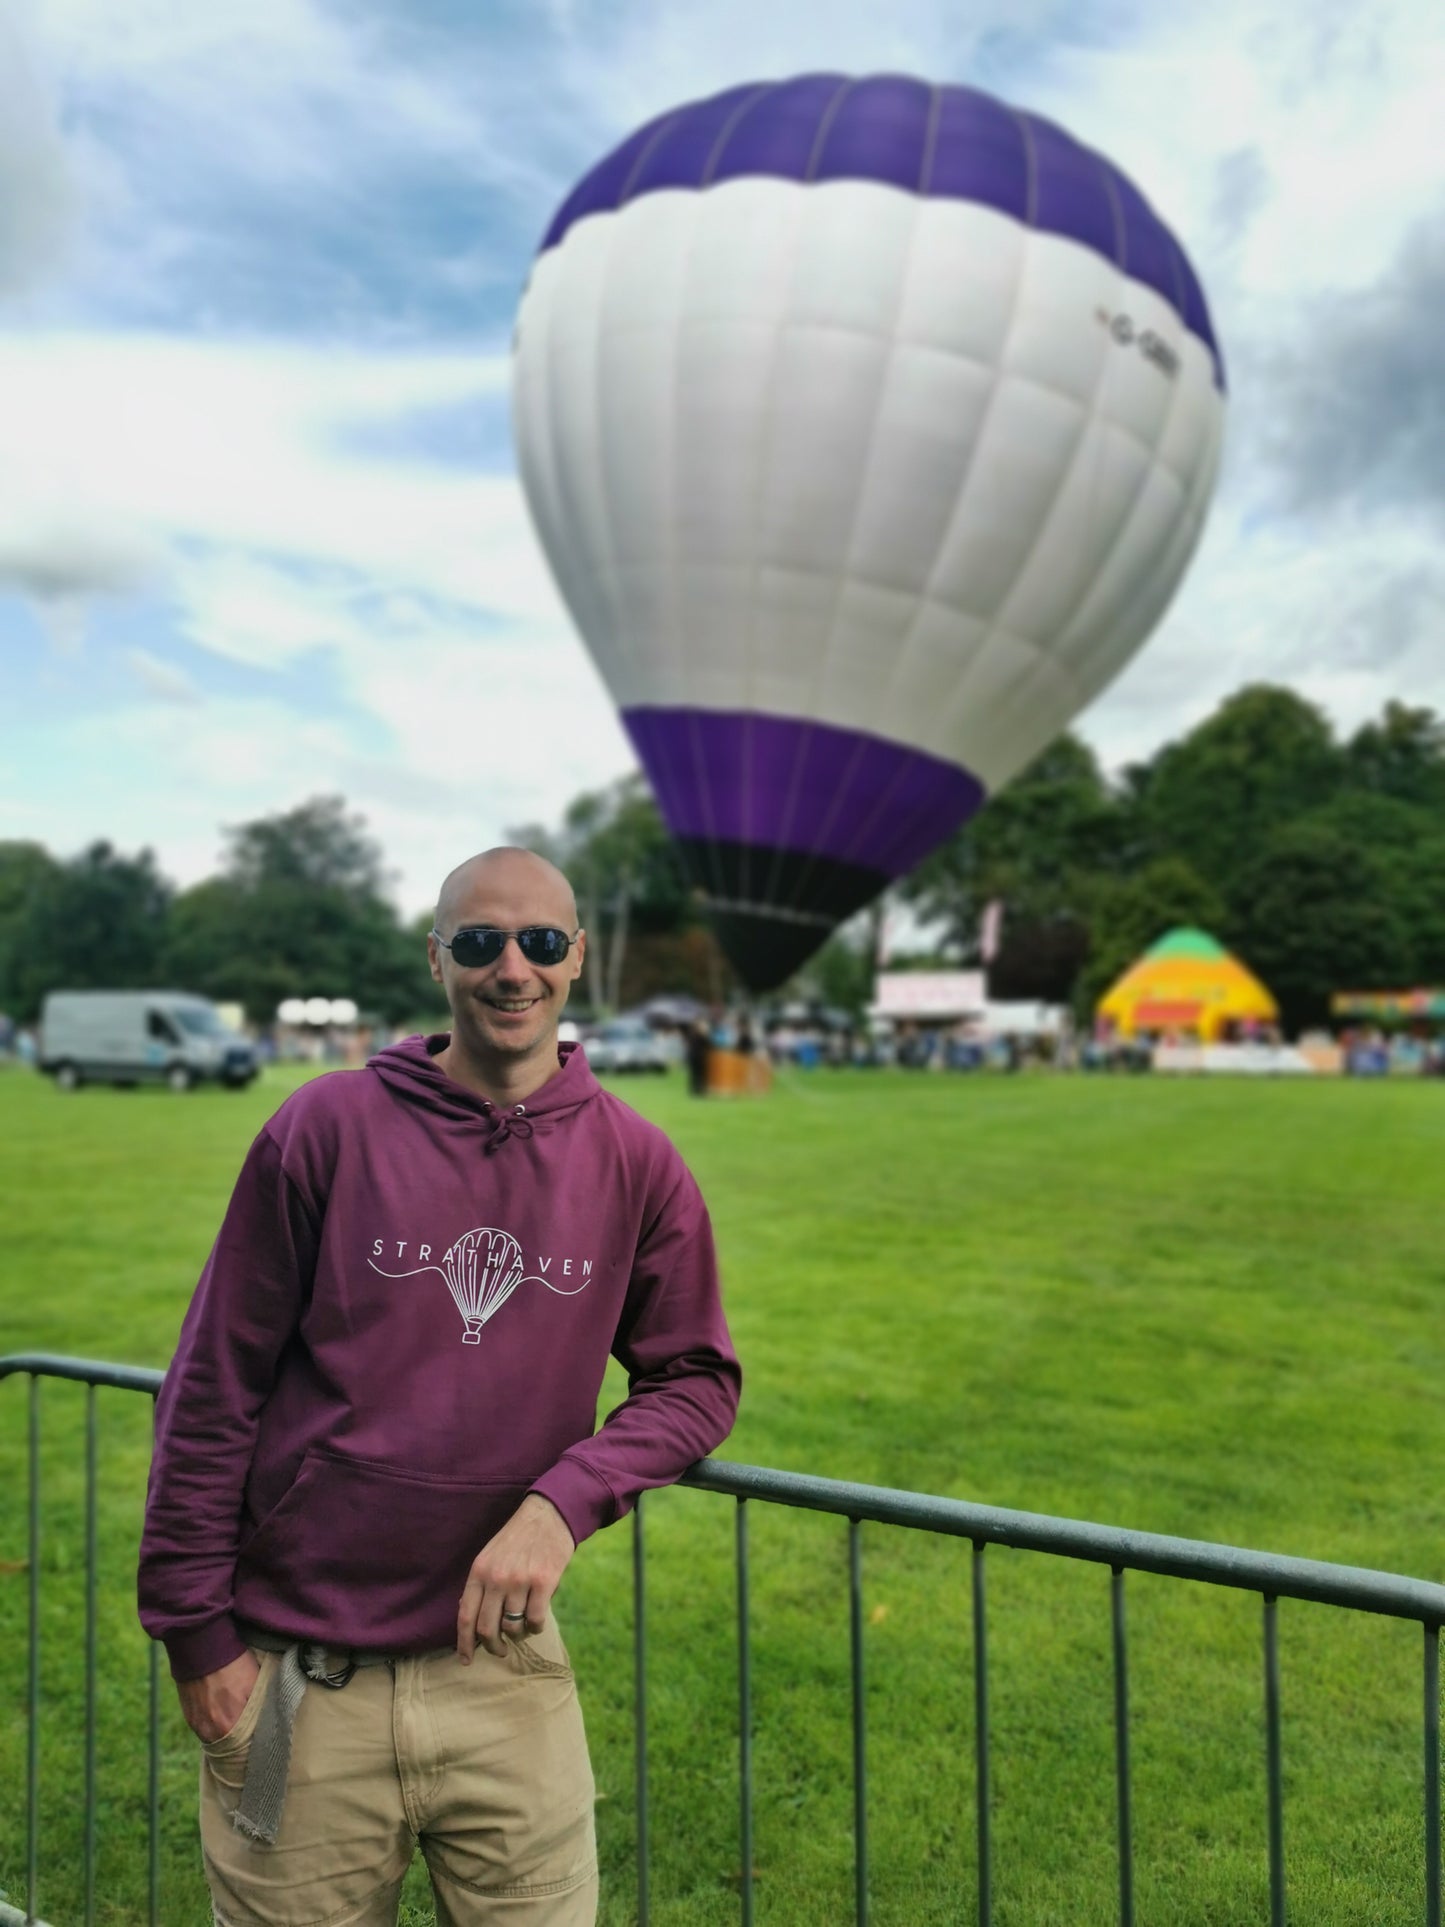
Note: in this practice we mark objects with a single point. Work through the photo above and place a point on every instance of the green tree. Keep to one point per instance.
(95, 923)
(1405, 846)
(839, 976)
(26, 871)
(1400, 756)
(320, 844)
(299, 911)
(1264, 758)
(1318, 918)
(1032, 848)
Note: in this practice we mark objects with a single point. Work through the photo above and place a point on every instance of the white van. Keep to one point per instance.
(140, 1036)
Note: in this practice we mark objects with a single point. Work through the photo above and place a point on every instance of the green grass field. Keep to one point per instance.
(1201, 1308)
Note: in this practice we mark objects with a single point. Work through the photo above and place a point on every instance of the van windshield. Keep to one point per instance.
(201, 1020)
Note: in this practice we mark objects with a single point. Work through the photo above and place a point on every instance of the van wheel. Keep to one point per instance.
(67, 1077)
(178, 1078)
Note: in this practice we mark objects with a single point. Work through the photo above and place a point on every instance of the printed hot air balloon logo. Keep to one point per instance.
(482, 1270)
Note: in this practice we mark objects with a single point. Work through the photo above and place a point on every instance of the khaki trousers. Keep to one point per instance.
(485, 1766)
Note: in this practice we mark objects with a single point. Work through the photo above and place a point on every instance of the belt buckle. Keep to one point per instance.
(333, 1682)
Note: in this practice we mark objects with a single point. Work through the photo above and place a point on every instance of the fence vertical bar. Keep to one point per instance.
(32, 1742)
(1272, 1761)
(860, 1732)
(639, 1712)
(153, 1794)
(745, 1717)
(1122, 1770)
(1432, 1776)
(89, 1849)
(980, 1737)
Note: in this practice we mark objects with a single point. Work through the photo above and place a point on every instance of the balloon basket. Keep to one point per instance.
(731, 1073)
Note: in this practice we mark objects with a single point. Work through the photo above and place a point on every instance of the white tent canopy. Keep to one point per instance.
(954, 997)
(928, 996)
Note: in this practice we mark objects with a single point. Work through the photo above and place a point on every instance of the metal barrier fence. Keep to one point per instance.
(1271, 1576)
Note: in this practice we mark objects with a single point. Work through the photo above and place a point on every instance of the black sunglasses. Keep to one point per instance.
(475, 948)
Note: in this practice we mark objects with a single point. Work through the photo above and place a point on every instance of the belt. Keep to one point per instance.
(268, 1764)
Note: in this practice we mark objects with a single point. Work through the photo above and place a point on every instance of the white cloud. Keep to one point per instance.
(163, 680)
(243, 447)
(36, 193)
(482, 740)
(51, 552)
(1348, 612)
(314, 109)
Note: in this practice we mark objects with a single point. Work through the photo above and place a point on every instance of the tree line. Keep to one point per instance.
(298, 909)
(1320, 860)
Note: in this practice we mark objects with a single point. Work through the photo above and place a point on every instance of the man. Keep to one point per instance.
(375, 1450)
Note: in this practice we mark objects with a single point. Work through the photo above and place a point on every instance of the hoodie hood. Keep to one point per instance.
(410, 1070)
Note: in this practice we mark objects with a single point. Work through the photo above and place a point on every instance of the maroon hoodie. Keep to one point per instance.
(402, 1331)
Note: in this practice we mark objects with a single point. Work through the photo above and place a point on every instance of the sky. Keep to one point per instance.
(261, 535)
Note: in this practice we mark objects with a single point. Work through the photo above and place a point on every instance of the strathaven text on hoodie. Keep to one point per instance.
(402, 1330)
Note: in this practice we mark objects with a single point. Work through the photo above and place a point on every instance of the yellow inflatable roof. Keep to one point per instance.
(1187, 982)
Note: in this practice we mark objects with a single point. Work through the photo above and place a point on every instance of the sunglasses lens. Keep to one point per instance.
(473, 949)
(542, 946)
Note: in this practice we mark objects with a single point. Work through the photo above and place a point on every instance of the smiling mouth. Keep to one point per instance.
(511, 1005)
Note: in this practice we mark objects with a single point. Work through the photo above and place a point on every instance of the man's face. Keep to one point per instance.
(511, 1008)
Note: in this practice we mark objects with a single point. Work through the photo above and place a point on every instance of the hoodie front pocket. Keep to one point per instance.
(362, 1555)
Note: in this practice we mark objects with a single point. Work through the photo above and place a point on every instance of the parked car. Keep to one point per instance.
(140, 1036)
(626, 1044)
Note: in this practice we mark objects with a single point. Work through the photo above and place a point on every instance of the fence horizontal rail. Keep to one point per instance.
(1271, 1573)
(1359, 1587)
(84, 1371)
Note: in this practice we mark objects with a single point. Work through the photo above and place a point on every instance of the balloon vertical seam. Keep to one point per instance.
(825, 124)
(930, 138)
(1090, 417)
(841, 589)
(750, 674)
(675, 572)
(1118, 625)
(729, 128)
(929, 591)
(644, 155)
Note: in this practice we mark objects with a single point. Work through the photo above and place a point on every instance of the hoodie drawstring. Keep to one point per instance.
(509, 1124)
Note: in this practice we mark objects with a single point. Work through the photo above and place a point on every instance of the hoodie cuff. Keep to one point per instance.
(204, 1650)
(584, 1499)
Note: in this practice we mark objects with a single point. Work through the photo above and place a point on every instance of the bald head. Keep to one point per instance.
(507, 887)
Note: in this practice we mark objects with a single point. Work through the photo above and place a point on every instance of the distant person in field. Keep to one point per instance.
(375, 1448)
(699, 1050)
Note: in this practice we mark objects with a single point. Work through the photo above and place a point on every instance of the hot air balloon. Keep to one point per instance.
(868, 427)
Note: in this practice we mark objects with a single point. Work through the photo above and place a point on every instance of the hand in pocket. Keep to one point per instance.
(213, 1704)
